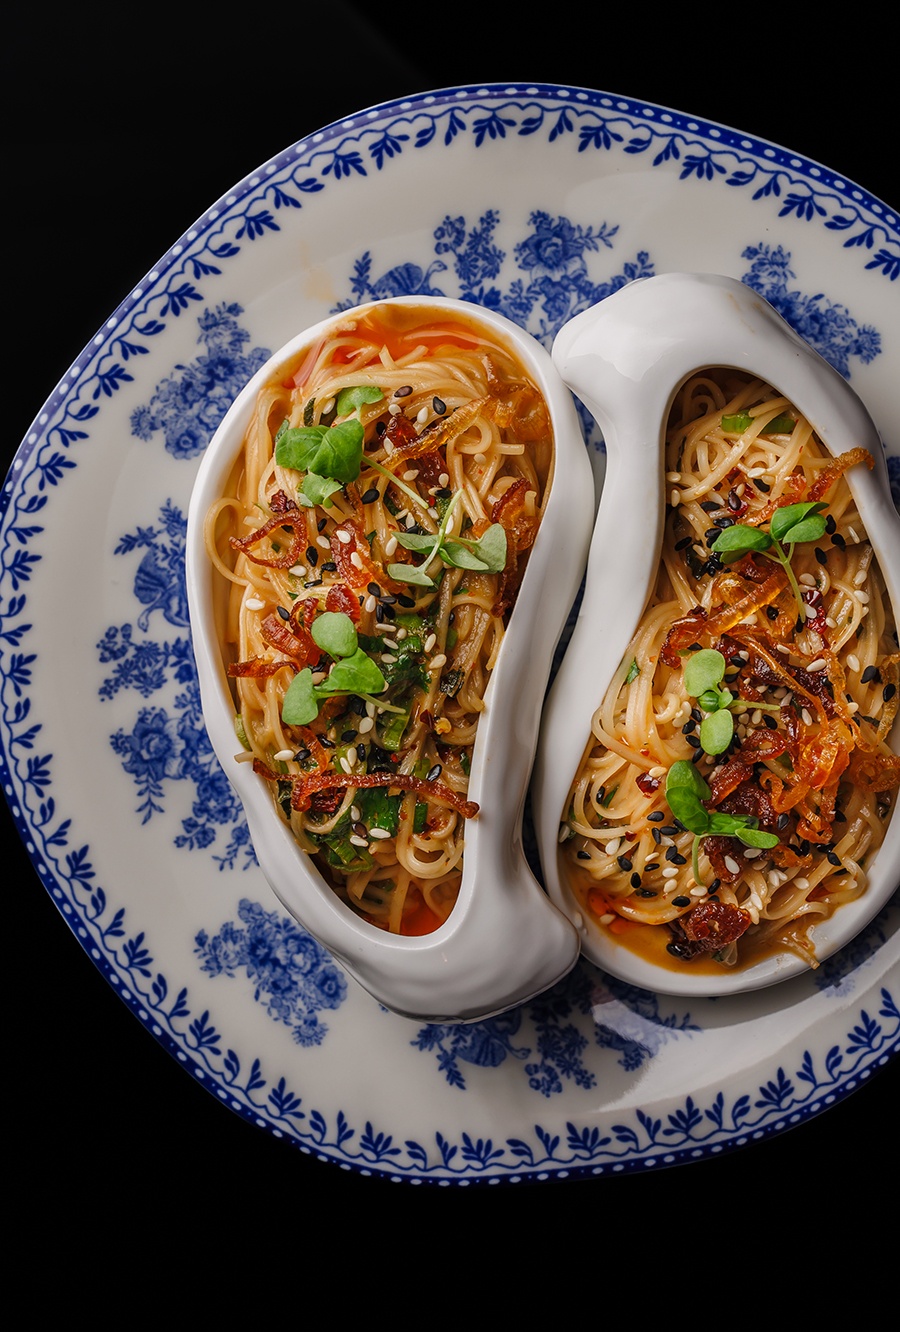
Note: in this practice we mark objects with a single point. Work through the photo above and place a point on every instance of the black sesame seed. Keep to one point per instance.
(709, 505)
(387, 610)
(285, 614)
(374, 589)
(697, 756)
(724, 522)
(313, 582)
(656, 835)
(656, 816)
(654, 865)
(347, 736)
(301, 755)
(830, 524)
(408, 602)
(888, 692)
(320, 525)
(379, 613)
(329, 567)
(838, 540)
(833, 858)
(873, 721)
(601, 795)
(870, 673)
(647, 892)
(635, 880)
(443, 493)
(669, 830)
(361, 752)
(769, 720)
(714, 885)
(358, 705)
(404, 391)
(438, 405)
(821, 556)
(710, 535)
(624, 863)
(583, 855)
(839, 816)
(772, 612)
(434, 772)
(370, 496)
(697, 714)
(694, 741)
(312, 555)
(683, 543)
(681, 901)
(761, 485)
(325, 742)
(689, 727)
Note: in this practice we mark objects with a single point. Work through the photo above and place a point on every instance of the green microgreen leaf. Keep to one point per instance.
(791, 522)
(356, 674)
(317, 490)
(329, 451)
(351, 399)
(335, 633)
(739, 539)
(703, 670)
(717, 731)
(299, 706)
(741, 421)
(634, 671)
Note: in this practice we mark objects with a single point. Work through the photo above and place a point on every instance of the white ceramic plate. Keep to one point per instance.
(536, 201)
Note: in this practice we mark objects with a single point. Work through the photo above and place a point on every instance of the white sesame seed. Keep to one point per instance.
(673, 476)
(410, 521)
(751, 852)
(390, 546)
(807, 579)
(388, 658)
(851, 532)
(358, 841)
(863, 597)
(853, 661)
(346, 766)
(355, 813)
(658, 771)
(380, 833)
(830, 621)
(809, 612)
(852, 707)
(365, 725)
(395, 409)
(437, 662)
(607, 918)
(859, 578)
(422, 416)
(343, 536)
(670, 872)
(757, 717)
(370, 603)
(818, 665)
(429, 642)
(254, 603)
(801, 883)
(675, 498)
(698, 890)
(565, 832)
(410, 474)
(245, 756)
(783, 649)
(356, 560)
(298, 570)
(323, 542)
(284, 755)
(389, 642)
(318, 676)
(444, 479)
(807, 719)
(731, 865)
(788, 695)
(400, 635)
(612, 847)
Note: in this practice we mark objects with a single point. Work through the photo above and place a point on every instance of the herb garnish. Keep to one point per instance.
(353, 672)
(487, 554)
(790, 524)
(685, 791)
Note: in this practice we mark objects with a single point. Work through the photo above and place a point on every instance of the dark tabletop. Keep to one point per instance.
(152, 124)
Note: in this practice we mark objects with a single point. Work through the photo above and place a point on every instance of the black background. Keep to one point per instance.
(120, 133)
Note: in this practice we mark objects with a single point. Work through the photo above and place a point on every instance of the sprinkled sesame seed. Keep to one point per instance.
(818, 665)
(888, 692)
(365, 725)
(612, 847)
(371, 495)
(355, 813)
(422, 416)
(807, 719)
(869, 674)
(395, 409)
(698, 891)
(437, 662)
(284, 755)
(358, 841)
(390, 545)
(381, 834)
(324, 543)
(388, 658)
(245, 756)
(607, 918)
(658, 771)
(369, 603)
(348, 767)
(670, 872)
(624, 864)
(751, 852)
(254, 603)
(565, 832)
(801, 883)
(635, 880)
(862, 597)
(731, 865)
(807, 579)
(853, 661)
(681, 901)
(356, 560)
(410, 474)
(429, 642)
(675, 498)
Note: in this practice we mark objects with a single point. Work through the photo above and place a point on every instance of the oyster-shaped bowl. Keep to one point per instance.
(504, 941)
(625, 359)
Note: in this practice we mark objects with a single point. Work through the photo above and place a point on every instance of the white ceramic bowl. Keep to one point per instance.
(625, 359)
(504, 942)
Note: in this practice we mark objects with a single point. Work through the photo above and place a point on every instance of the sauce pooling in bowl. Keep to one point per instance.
(738, 780)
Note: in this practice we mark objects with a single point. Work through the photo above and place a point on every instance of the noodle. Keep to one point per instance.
(712, 825)
(373, 536)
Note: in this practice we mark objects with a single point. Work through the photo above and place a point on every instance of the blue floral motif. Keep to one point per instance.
(294, 977)
(189, 407)
(169, 745)
(826, 326)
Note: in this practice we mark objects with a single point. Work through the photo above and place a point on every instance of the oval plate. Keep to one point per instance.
(150, 862)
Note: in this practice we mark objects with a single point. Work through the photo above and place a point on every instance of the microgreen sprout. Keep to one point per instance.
(353, 672)
(789, 525)
(686, 791)
(487, 554)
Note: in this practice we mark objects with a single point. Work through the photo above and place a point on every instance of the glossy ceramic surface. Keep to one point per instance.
(625, 359)
(537, 202)
(504, 942)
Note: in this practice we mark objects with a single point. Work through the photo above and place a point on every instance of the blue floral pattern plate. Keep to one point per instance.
(535, 201)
